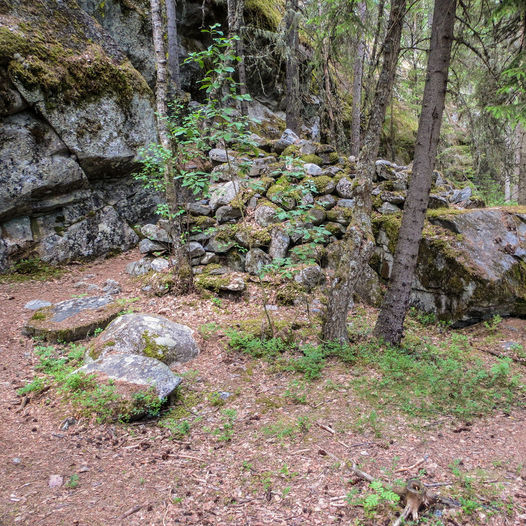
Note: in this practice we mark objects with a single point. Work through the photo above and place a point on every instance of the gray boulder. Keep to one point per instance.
(265, 215)
(279, 244)
(73, 319)
(147, 246)
(146, 335)
(255, 260)
(344, 188)
(470, 267)
(312, 169)
(223, 194)
(310, 277)
(227, 213)
(218, 155)
(195, 250)
(155, 233)
(139, 268)
(135, 370)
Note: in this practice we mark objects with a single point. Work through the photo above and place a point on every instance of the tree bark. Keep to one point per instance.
(235, 10)
(391, 320)
(358, 243)
(522, 165)
(357, 89)
(173, 44)
(182, 269)
(292, 66)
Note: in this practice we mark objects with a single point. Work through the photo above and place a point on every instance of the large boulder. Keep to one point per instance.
(147, 335)
(135, 370)
(471, 264)
(73, 319)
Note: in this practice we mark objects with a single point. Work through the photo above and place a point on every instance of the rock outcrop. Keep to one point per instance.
(471, 265)
(74, 114)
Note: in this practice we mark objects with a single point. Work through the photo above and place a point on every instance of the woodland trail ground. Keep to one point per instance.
(275, 452)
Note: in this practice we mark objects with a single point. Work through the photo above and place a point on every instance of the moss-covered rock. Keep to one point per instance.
(73, 319)
(471, 263)
(320, 185)
(312, 158)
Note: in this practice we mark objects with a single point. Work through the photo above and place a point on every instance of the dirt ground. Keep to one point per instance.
(137, 474)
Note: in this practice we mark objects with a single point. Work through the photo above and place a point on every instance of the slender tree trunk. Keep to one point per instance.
(522, 165)
(391, 320)
(181, 267)
(358, 243)
(357, 89)
(235, 10)
(374, 52)
(292, 66)
(173, 44)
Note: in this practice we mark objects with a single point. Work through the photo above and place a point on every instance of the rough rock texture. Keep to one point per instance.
(147, 335)
(472, 264)
(135, 370)
(74, 113)
(73, 319)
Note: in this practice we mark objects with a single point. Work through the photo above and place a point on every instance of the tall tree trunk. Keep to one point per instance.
(173, 44)
(391, 320)
(358, 242)
(521, 198)
(235, 10)
(182, 269)
(374, 52)
(357, 89)
(292, 66)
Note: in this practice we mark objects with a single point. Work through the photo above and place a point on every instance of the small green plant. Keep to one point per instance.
(380, 496)
(209, 329)
(226, 431)
(178, 428)
(493, 324)
(218, 302)
(73, 481)
(215, 399)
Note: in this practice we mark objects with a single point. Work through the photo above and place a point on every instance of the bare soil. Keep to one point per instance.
(137, 474)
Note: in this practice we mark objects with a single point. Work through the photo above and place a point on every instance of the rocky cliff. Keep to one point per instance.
(74, 112)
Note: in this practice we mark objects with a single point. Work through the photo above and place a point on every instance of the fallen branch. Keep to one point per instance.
(520, 361)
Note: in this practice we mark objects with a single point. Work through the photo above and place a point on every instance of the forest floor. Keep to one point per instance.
(279, 450)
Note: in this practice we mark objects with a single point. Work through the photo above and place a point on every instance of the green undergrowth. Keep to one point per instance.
(31, 269)
(421, 379)
(57, 368)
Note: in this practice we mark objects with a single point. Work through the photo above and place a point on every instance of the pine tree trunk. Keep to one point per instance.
(358, 243)
(292, 68)
(522, 166)
(173, 44)
(391, 320)
(182, 268)
(357, 89)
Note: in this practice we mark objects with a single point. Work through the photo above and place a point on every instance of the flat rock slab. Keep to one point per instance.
(135, 371)
(147, 335)
(73, 319)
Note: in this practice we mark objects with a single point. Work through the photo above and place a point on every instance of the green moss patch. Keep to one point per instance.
(51, 51)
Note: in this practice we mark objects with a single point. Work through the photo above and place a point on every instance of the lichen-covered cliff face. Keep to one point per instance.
(73, 113)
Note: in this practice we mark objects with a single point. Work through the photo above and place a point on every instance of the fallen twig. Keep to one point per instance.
(412, 466)
(520, 361)
(131, 511)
